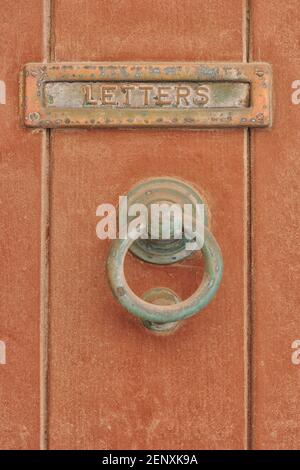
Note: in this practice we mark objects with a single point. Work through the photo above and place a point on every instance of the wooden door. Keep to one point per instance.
(79, 371)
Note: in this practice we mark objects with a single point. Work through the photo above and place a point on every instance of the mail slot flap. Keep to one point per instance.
(146, 95)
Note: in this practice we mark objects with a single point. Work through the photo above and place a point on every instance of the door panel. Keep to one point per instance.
(86, 374)
(111, 30)
(112, 384)
(21, 33)
(276, 173)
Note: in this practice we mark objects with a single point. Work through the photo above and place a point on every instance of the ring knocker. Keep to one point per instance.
(161, 309)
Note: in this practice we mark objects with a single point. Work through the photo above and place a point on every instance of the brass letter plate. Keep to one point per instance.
(117, 94)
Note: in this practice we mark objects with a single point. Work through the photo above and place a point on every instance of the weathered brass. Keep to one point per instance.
(160, 309)
(147, 95)
(158, 191)
(161, 296)
(155, 311)
(184, 94)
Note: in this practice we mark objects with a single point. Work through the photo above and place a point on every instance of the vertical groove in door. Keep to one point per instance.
(248, 245)
(44, 263)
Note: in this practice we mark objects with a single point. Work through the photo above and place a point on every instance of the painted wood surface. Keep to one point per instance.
(113, 384)
(20, 153)
(276, 210)
(227, 378)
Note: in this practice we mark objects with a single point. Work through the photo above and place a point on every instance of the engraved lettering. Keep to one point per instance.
(107, 96)
(182, 93)
(162, 94)
(148, 95)
(146, 90)
(127, 91)
(202, 96)
(87, 90)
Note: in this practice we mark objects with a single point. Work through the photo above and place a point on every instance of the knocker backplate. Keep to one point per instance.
(168, 191)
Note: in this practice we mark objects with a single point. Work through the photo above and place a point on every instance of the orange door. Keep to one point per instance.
(77, 371)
